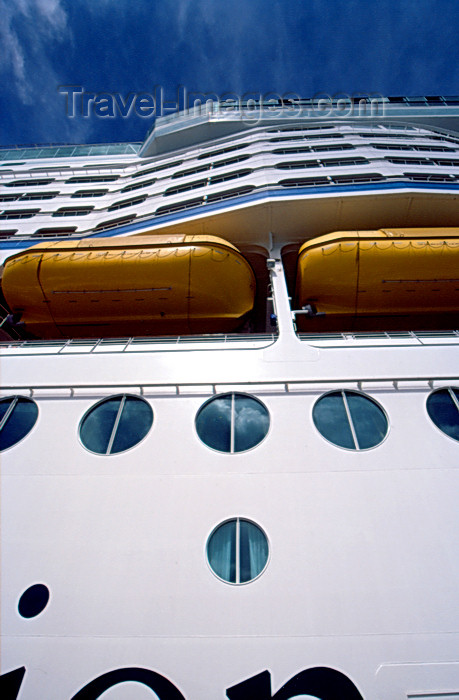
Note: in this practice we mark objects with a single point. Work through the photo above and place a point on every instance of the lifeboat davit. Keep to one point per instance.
(391, 279)
(130, 286)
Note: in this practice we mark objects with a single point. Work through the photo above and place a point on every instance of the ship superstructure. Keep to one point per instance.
(229, 413)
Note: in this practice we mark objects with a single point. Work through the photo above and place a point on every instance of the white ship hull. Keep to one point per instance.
(358, 597)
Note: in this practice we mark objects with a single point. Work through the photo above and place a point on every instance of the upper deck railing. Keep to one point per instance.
(68, 150)
(220, 341)
(147, 344)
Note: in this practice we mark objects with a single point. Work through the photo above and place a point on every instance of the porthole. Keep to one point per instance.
(237, 551)
(17, 418)
(443, 410)
(116, 424)
(232, 422)
(351, 420)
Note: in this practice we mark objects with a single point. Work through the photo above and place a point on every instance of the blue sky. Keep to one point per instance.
(390, 47)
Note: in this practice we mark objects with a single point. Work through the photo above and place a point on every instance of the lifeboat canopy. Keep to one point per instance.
(130, 286)
(390, 279)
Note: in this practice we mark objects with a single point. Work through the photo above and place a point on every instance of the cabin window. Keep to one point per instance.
(192, 171)
(295, 164)
(92, 178)
(127, 203)
(232, 422)
(185, 188)
(72, 211)
(335, 147)
(18, 415)
(430, 177)
(82, 194)
(237, 551)
(18, 213)
(230, 176)
(30, 182)
(210, 166)
(338, 162)
(139, 185)
(443, 410)
(305, 181)
(9, 197)
(157, 168)
(179, 206)
(291, 151)
(120, 221)
(298, 128)
(220, 151)
(6, 233)
(308, 136)
(116, 424)
(349, 179)
(409, 161)
(62, 231)
(227, 194)
(38, 195)
(351, 420)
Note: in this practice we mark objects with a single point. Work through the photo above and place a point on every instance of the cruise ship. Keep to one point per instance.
(229, 411)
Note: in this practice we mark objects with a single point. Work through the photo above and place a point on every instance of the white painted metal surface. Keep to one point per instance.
(363, 567)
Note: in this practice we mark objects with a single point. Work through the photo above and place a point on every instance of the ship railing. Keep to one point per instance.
(235, 340)
(139, 344)
(63, 171)
(47, 150)
(381, 338)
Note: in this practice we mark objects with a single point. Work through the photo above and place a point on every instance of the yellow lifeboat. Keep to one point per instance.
(128, 286)
(391, 279)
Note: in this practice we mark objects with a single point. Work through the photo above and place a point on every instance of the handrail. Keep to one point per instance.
(22, 146)
(134, 342)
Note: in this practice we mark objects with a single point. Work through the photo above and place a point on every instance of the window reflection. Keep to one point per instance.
(213, 423)
(443, 409)
(116, 424)
(351, 420)
(251, 422)
(331, 421)
(17, 418)
(369, 421)
(232, 422)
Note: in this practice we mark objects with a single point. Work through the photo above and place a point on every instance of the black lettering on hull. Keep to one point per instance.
(164, 689)
(324, 683)
(10, 683)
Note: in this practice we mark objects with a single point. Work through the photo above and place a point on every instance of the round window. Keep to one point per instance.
(237, 551)
(17, 418)
(116, 424)
(351, 420)
(232, 422)
(443, 409)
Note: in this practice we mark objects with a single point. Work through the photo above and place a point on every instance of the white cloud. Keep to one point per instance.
(39, 21)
